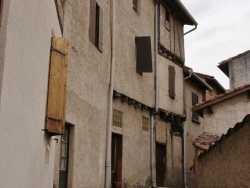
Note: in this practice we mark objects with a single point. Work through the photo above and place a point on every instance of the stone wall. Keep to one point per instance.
(227, 163)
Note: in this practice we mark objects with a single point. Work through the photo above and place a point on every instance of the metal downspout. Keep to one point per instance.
(110, 101)
(152, 119)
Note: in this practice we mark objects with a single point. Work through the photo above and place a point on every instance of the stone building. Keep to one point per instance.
(114, 93)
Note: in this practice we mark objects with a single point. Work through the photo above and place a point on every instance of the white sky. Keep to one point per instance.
(223, 31)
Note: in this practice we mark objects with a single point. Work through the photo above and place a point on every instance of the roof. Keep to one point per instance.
(194, 77)
(219, 98)
(212, 81)
(205, 140)
(229, 133)
(180, 11)
(223, 65)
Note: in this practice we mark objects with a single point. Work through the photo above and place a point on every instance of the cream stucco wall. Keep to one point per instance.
(27, 154)
(226, 114)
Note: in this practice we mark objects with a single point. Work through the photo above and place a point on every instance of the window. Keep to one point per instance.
(96, 24)
(117, 118)
(1, 7)
(143, 54)
(145, 123)
(167, 20)
(135, 5)
(195, 100)
(64, 158)
(56, 100)
(171, 81)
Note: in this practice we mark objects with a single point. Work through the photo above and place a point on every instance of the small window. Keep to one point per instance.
(145, 123)
(167, 20)
(135, 5)
(195, 100)
(171, 81)
(96, 24)
(117, 118)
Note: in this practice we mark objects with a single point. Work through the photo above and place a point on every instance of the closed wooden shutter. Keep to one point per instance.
(171, 75)
(100, 29)
(56, 102)
(195, 99)
(143, 54)
(92, 21)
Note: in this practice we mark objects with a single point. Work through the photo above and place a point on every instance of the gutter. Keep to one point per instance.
(110, 101)
(195, 27)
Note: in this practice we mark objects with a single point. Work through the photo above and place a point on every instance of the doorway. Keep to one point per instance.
(116, 159)
(160, 164)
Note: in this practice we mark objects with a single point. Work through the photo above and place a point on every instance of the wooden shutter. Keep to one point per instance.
(195, 99)
(92, 21)
(171, 75)
(143, 54)
(100, 27)
(59, 8)
(1, 7)
(56, 102)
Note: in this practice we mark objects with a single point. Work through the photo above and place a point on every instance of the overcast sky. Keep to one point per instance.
(223, 32)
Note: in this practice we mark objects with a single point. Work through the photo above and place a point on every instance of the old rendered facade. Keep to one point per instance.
(110, 81)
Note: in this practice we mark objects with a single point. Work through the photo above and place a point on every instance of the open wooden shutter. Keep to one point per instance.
(92, 21)
(143, 54)
(56, 102)
(171, 74)
(59, 8)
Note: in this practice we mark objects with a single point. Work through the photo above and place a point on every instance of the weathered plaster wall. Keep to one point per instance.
(192, 129)
(226, 114)
(130, 24)
(87, 94)
(239, 73)
(136, 150)
(27, 155)
(226, 165)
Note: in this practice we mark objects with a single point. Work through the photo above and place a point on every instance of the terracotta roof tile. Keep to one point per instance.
(205, 140)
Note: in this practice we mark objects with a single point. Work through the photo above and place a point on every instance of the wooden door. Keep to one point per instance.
(116, 159)
(160, 164)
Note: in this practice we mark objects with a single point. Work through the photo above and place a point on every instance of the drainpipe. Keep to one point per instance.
(184, 155)
(110, 101)
(152, 118)
(195, 27)
(190, 74)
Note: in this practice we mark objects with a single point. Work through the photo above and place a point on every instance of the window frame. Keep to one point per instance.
(167, 19)
(171, 82)
(195, 100)
(96, 25)
(145, 124)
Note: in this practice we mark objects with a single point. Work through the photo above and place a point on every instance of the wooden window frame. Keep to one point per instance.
(117, 118)
(96, 25)
(167, 20)
(195, 100)
(145, 123)
(171, 82)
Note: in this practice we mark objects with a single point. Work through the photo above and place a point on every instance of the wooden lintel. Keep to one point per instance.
(138, 104)
(248, 94)
(131, 101)
(124, 98)
(210, 110)
(116, 95)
